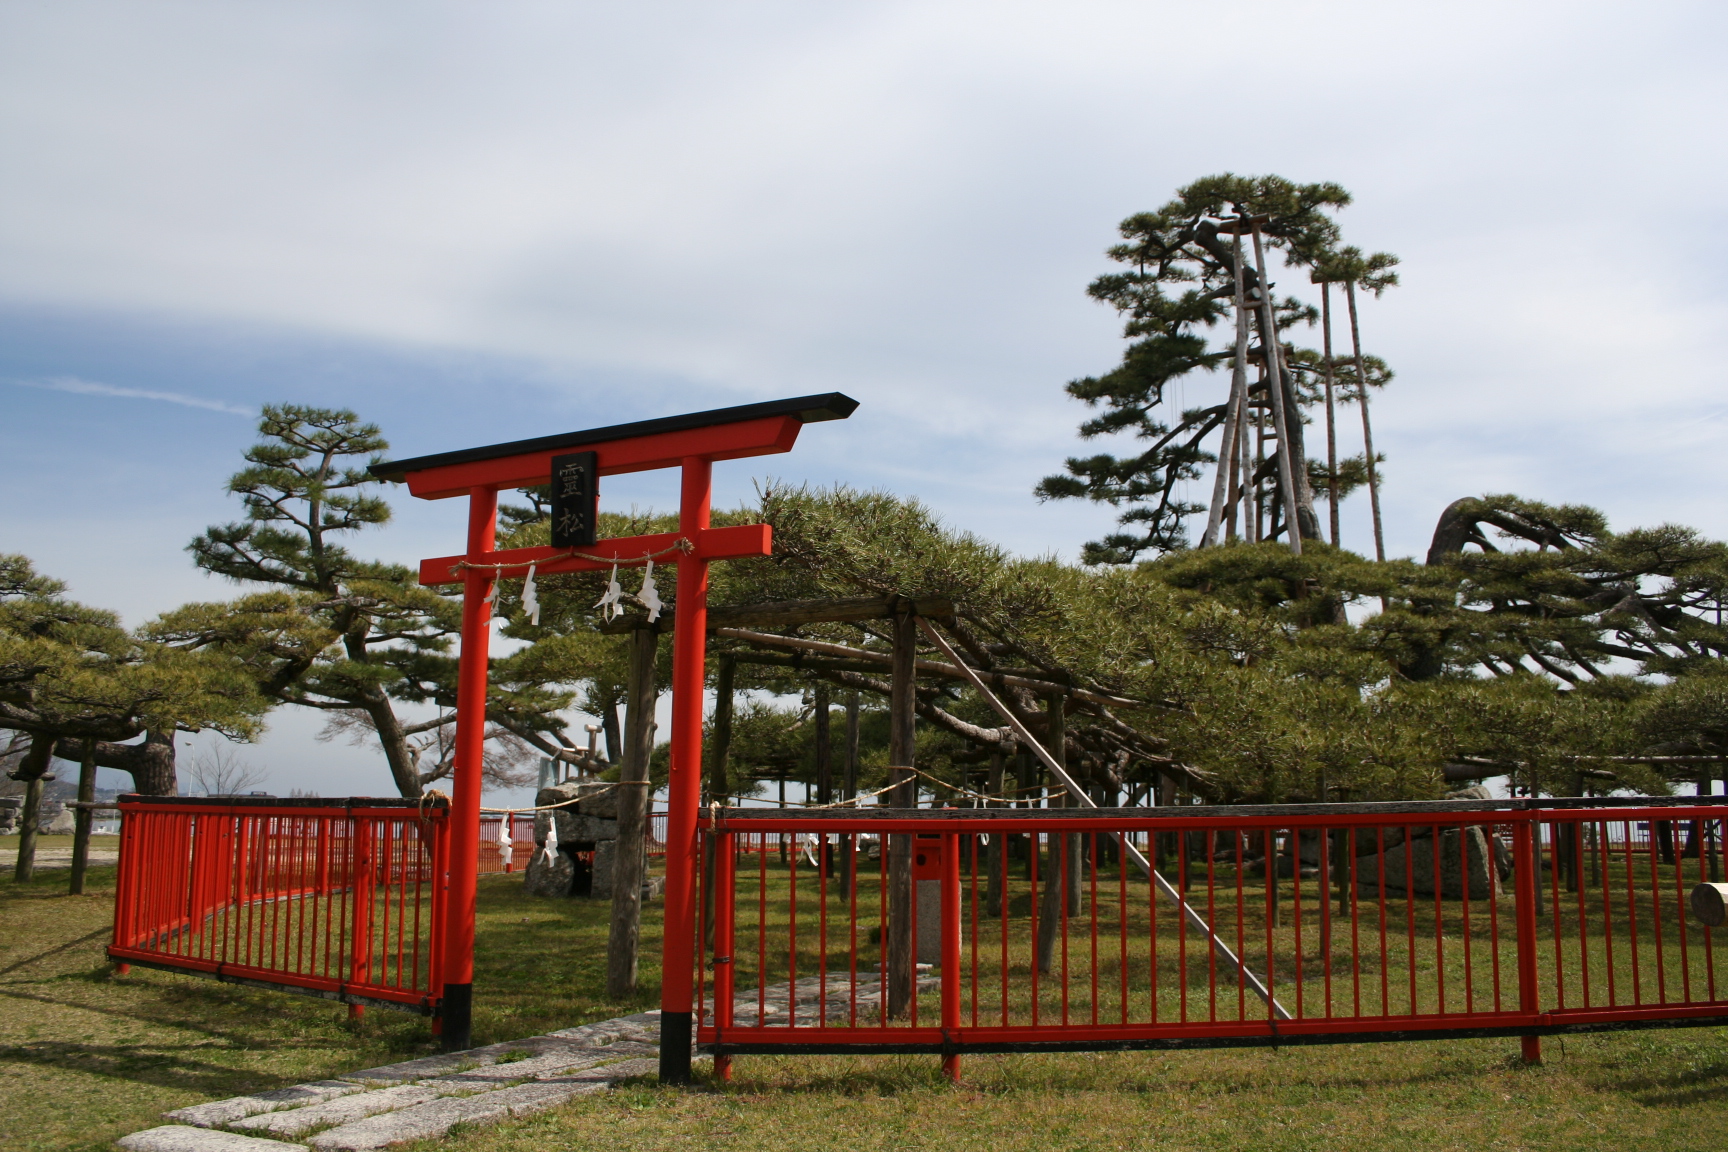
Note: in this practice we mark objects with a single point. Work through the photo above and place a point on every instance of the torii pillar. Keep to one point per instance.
(691, 443)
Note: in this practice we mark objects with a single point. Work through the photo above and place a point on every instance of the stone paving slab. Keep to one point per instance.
(449, 1063)
(343, 1110)
(423, 1121)
(539, 1067)
(222, 1113)
(184, 1138)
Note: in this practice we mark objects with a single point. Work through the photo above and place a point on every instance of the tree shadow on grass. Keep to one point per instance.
(144, 1063)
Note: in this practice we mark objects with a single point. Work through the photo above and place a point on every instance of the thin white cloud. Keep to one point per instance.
(92, 388)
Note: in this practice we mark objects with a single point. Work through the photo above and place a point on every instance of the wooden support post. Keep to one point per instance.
(1054, 878)
(631, 862)
(1331, 420)
(824, 770)
(902, 749)
(1290, 483)
(1223, 494)
(717, 790)
(849, 791)
(82, 818)
(1367, 428)
(996, 853)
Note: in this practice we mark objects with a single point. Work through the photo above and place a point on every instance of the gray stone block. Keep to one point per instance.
(221, 1113)
(581, 828)
(341, 1111)
(182, 1138)
(549, 879)
(437, 1117)
(1409, 867)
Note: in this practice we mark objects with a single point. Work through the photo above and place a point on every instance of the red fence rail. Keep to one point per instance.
(333, 898)
(1034, 930)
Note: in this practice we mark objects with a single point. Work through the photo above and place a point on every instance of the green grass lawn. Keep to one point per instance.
(86, 1056)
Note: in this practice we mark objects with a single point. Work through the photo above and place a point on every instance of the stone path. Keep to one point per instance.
(417, 1099)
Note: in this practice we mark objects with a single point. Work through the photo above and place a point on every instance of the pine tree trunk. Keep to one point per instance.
(622, 944)
(30, 771)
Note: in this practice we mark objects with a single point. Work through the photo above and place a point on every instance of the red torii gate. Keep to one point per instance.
(691, 443)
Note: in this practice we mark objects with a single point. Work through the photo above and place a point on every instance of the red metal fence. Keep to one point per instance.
(1035, 930)
(334, 898)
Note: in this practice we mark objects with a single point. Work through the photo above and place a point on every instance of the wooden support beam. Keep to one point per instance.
(789, 613)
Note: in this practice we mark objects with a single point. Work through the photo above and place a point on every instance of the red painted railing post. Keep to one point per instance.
(360, 927)
(1524, 895)
(689, 662)
(725, 950)
(951, 995)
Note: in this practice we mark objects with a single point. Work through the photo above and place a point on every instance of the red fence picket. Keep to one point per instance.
(333, 898)
(1380, 921)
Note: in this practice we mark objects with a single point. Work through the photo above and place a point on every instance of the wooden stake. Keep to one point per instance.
(631, 860)
(1367, 429)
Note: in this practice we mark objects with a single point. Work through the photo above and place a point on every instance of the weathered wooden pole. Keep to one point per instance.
(1056, 875)
(996, 852)
(902, 749)
(31, 770)
(1331, 425)
(824, 769)
(1223, 494)
(1367, 427)
(718, 790)
(849, 791)
(632, 859)
(1288, 492)
(82, 818)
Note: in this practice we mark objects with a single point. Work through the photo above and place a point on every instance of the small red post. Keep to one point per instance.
(689, 663)
(951, 952)
(1524, 892)
(463, 859)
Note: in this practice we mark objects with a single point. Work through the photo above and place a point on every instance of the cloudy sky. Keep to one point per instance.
(474, 223)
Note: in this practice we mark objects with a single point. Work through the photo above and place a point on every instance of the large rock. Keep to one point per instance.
(65, 823)
(1409, 865)
(549, 878)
